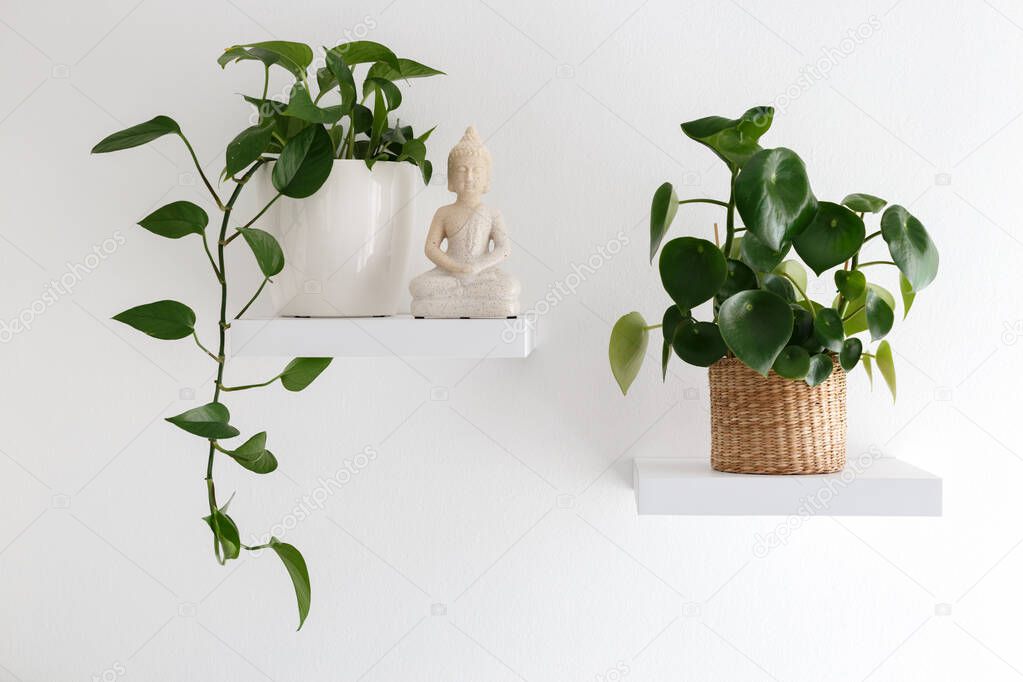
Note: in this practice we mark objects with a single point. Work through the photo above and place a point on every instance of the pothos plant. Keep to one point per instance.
(761, 312)
(300, 140)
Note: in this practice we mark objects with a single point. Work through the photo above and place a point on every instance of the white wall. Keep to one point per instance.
(494, 534)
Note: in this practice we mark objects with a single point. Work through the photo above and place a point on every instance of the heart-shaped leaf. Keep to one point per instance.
(756, 326)
(176, 219)
(390, 91)
(207, 421)
(777, 284)
(833, 236)
(137, 135)
(247, 146)
(864, 203)
(692, 270)
(293, 561)
(850, 283)
(406, 69)
(733, 140)
(880, 316)
(698, 343)
(820, 369)
(773, 195)
(301, 106)
(168, 320)
(662, 212)
(305, 163)
(827, 327)
(852, 349)
(857, 308)
(226, 532)
(911, 247)
(301, 372)
(341, 74)
(265, 248)
(253, 455)
(758, 256)
(366, 51)
(908, 295)
(802, 329)
(295, 57)
(792, 363)
(739, 278)
(629, 339)
(886, 364)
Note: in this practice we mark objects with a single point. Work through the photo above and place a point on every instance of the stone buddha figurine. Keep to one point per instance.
(467, 281)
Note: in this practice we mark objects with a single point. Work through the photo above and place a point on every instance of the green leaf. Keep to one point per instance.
(869, 369)
(253, 455)
(795, 270)
(733, 140)
(301, 372)
(379, 121)
(802, 329)
(265, 248)
(390, 91)
(773, 195)
(295, 57)
(777, 284)
(758, 256)
(698, 343)
(228, 536)
(864, 203)
(827, 327)
(293, 561)
(662, 212)
(857, 322)
(739, 278)
(362, 118)
(415, 150)
(207, 421)
(820, 369)
(305, 163)
(365, 51)
(341, 74)
(852, 349)
(137, 135)
(248, 146)
(911, 247)
(756, 326)
(168, 320)
(886, 364)
(301, 106)
(177, 219)
(406, 69)
(670, 321)
(792, 363)
(665, 357)
(908, 295)
(850, 283)
(880, 316)
(426, 168)
(833, 236)
(692, 270)
(629, 339)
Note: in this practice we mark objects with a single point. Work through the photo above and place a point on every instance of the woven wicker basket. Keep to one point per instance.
(773, 425)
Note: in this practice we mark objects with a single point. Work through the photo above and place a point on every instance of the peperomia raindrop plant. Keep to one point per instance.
(761, 313)
(300, 140)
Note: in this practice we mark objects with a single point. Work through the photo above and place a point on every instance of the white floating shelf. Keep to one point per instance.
(689, 487)
(378, 337)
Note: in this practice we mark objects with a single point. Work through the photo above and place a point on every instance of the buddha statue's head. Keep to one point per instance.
(469, 165)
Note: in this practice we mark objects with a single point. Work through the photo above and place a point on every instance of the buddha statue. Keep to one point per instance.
(467, 282)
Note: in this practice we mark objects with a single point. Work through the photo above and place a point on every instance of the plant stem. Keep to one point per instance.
(871, 236)
(653, 326)
(802, 293)
(875, 262)
(703, 201)
(247, 386)
(198, 167)
(266, 81)
(254, 219)
(850, 315)
(730, 219)
(254, 297)
(205, 349)
(209, 255)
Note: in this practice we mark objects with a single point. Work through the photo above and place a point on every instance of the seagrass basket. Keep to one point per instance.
(774, 425)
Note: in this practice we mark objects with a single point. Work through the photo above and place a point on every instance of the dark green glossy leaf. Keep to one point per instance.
(911, 247)
(692, 270)
(207, 421)
(802, 328)
(864, 203)
(301, 106)
(880, 316)
(739, 278)
(629, 339)
(662, 212)
(850, 283)
(426, 168)
(253, 455)
(669, 322)
(379, 121)
(908, 295)
(295, 57)
(293, 561)
(265, 248)
(792, 363)
(756, 326)
(833, 236)
(362, 118)
(852, 349)
(168, 320)
(390, 91)
(305, 163)
(733, 140)
(886, 364)
(177, 219)
(777, 284)
(247, 147)
(137, 135)
(268, 109)
(341, 74)
(698, 343)
(820, 369)
(406, 69)
(665, 358)
(755, 254)
(226, 533)
(414, 150)
(366, 51)
(301, 372)
(857, 309)
(827, 327)
(773, 196)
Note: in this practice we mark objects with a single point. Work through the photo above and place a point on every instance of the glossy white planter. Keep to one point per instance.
(346, 247)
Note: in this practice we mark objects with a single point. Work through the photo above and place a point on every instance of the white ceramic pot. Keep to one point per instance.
(346, 247)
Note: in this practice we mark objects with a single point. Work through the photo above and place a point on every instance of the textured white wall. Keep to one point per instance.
(493, 536)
